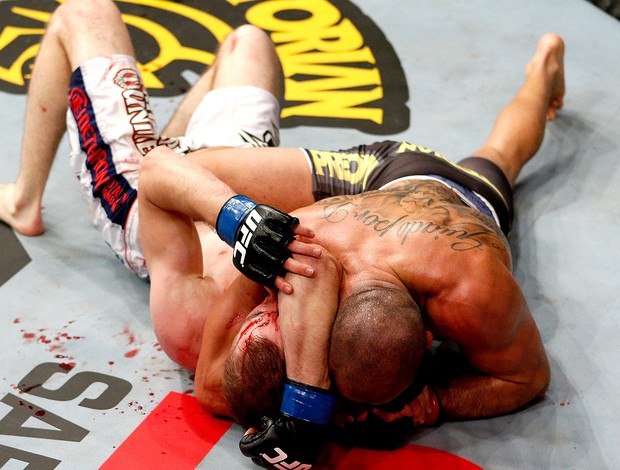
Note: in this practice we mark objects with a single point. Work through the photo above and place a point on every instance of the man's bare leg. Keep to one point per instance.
(246, 57)
(78, 30)
(519, 129)
(20, 203)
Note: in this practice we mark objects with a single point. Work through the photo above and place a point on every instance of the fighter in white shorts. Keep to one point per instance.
(111, 127)
(87, 50)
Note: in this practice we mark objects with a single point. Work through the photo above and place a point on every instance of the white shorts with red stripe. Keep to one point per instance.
(111, 127)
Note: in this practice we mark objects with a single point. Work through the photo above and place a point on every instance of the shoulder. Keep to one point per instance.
(481, 302)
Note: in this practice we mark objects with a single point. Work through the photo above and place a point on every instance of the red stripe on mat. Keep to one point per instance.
(410, 457)
(176, 434)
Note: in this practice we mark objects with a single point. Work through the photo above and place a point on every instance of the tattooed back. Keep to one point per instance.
(417, 232)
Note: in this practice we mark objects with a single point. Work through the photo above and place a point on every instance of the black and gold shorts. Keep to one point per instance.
(478, 181)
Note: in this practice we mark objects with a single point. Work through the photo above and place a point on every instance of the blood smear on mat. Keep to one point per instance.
(131, 353)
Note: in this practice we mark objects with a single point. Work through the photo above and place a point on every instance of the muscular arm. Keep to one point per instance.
(176, 183)
(194, 316)
(188, 192)
(490, 320)
(298, 432)
(306, 319)
(279, 177)
(179, 293)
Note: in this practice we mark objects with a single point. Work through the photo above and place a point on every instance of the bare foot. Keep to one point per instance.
(25, 220)
(550, 56)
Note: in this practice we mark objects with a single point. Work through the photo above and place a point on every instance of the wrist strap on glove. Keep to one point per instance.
(307, 403)
(231, 215)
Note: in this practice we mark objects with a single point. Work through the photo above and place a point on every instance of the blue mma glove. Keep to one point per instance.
(295, 438)
(259, 235)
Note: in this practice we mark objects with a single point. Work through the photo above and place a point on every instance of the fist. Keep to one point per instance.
(259, 235)
(284, 441)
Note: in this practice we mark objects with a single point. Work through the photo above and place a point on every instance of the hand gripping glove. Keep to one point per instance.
(259, 235)
(294, 439)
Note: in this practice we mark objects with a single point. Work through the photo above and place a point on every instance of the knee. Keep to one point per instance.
(71, 11)
(247, 39)
(250, 34)
(72, 8)
(59, 18)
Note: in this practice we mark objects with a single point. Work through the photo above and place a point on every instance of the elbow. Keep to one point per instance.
(211, 399)
(539, 383)
(147, 166)
(531, 388)
(213, 404)
(204, 399)
(151, 163)
(542, 381)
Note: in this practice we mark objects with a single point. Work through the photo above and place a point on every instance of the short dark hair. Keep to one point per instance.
(377, 345)
(253, 382)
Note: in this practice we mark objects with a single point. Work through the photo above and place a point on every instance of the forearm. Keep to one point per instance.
(476, 396)
(498, 364)
(306, 320)
(307, 359)
(175, 183)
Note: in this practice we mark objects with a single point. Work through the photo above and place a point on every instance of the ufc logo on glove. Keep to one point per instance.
(279, 463)
(246, 231)
(259, 236)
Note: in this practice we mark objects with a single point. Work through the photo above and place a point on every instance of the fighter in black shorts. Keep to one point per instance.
(419, 242)
(467, 296)
(478, 181)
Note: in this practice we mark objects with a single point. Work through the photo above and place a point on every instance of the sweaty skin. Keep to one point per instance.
(456, 266)
(454, 262)
(419, 236)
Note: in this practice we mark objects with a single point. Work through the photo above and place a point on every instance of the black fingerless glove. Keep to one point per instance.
(259, 235)
(295, 438)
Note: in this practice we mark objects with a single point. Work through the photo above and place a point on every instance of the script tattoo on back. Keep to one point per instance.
(421, 207)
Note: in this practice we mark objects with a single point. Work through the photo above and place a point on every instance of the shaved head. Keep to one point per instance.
(377, 345)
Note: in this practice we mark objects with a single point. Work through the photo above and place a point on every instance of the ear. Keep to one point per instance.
(429, 339)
